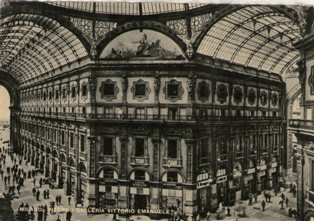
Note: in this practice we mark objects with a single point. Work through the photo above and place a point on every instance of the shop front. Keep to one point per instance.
(262, 176)
(204, 192)
(221, 181)
(139, 195)
(172, 192)
(235, 185)
(107, 189)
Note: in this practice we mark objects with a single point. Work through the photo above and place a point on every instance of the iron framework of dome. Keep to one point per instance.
(38, 39)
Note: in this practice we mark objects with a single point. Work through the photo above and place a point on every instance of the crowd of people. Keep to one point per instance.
(13, 172)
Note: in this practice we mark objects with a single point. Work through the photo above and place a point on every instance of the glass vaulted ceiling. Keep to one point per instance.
(254, 36)
(126, 8)
(32, 45)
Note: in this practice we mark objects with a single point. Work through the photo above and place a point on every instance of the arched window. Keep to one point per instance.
(172, 176)
(139, 175)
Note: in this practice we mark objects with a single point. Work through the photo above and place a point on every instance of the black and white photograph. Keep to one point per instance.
(156, 110)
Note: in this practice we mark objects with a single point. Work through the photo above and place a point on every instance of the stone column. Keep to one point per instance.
(123, 188)
(190, 192)
(155, 195)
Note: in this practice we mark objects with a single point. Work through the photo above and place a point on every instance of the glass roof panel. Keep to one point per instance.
(126, 8)
(257, 44)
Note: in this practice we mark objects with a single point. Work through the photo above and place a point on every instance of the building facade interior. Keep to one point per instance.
(160, 106)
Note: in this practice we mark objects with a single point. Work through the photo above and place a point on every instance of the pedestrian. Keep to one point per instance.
(283, 196)
(37, 195)
(45, 212)
(57, 200)
(34, 181)
(269, 197)
(207, 216)
(18, 188)
(255, 197)
(281, 202)
(34, 191)
(290, 212)
(228, 211)
(68, 215)
(40, 182)
(287, 201)
(47, 192)
(69, 200)
(52, 206)
(263, 205)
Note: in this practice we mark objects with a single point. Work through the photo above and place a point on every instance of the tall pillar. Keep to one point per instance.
(190, 193)
(154, 203)
(123, 188)
(68, 181)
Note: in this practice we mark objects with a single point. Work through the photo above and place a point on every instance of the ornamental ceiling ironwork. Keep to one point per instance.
(254, 36)
(126, 8)
(32, 45)
(36, 40)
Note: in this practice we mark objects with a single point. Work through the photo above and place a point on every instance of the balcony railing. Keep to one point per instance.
(142, 117)
(168, 162)
(140, 160)
(108, 159)
(296, 123)
(310, 196)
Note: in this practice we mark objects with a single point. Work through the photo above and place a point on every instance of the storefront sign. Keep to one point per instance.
(221, 172)
(139, 190)
(114, 189)
(274, 164)
(203, 183)
(237, 174)
(221, 179)
(251, 170)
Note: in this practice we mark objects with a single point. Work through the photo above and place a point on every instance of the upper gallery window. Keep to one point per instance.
(139, 147)
(140, 90)
(203, 91)
(172, 149)
(73, 92)
(84, 89)
(173, 90)
(50, 95)
(108, 146)
(64, 92)
(109, 90)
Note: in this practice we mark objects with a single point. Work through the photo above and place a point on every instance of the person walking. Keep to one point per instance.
(263, 205)
(37, 195)
(69, 200)
(18, 188)
(68, 215)
(283, 197)
(34, 191)
(58, 219)
(57, 200)
(40, 182)
(45, 194)
(287, 202)
(269, 197)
